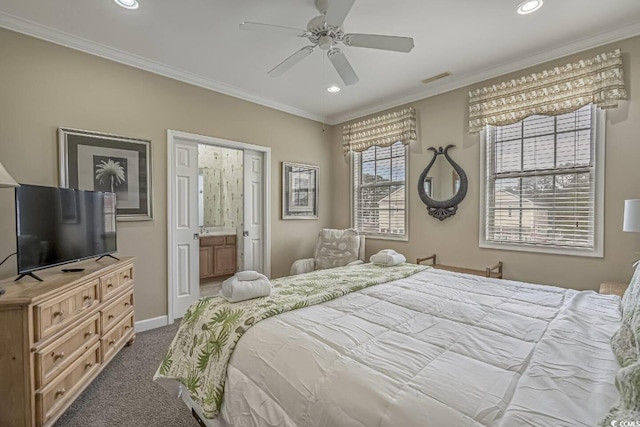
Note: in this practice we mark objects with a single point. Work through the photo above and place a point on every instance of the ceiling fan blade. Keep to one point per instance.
(257, 26)
(338, 11)
(342, 66)
(375, 41)
(285, 65)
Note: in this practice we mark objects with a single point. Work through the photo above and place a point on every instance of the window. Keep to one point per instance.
(543, 181)
(379, 207)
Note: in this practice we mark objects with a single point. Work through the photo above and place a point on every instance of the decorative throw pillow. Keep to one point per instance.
(336, 248)
(631, 297)
(627, 408)
(624, 345)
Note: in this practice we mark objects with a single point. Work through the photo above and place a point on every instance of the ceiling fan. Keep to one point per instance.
(325, 31)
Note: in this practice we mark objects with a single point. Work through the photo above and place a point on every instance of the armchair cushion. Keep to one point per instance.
(336, 248)
(300, 266)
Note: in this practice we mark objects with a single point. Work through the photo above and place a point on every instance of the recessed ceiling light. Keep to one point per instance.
(333, 89)
(128, 4)
(529, 6)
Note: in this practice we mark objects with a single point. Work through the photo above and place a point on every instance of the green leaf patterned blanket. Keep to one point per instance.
(200, 352)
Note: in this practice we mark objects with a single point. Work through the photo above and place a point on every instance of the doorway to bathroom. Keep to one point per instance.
(220, 214)
(217, 214)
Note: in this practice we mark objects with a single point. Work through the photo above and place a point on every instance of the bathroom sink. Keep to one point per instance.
(218, 232)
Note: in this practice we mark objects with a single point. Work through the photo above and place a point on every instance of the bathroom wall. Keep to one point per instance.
(222, 169)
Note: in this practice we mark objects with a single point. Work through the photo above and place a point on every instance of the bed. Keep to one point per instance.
(434, 348)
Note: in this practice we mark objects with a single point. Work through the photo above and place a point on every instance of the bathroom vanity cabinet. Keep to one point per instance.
(217, 256)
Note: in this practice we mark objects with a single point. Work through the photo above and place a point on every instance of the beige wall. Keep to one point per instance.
(442, 121)
(44, 86)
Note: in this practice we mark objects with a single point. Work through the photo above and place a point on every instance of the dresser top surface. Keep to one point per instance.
(28, 290)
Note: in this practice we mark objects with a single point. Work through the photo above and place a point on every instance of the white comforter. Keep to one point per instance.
(435, 349)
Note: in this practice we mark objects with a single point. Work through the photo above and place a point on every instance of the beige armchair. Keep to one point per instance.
(334, 248)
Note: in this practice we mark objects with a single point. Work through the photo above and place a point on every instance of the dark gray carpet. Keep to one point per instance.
(124, 393)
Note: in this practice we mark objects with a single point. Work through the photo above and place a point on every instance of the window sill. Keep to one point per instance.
(550, 250)
(383, 237)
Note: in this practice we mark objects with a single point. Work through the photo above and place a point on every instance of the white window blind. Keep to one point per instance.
(379, 191)
(541, 182)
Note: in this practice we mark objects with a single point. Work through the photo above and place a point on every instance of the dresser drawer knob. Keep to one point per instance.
(88, 365)
(126, 276)
(58, 356)
(111, 316)
(127, 327)
(60, 392)
(126, 304)
(88, 334)
(58, 313)
(109, 285)
(111, 343)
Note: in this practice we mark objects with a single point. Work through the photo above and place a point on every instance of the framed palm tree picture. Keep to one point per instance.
(103, 162)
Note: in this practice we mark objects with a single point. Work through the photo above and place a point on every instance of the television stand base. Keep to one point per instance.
(110, 256)
(29, 274)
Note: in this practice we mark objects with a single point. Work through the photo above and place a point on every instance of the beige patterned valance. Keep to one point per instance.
(382, 131)
(598, 80)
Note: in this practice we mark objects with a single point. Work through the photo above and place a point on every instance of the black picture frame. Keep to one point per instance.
(104, 162)
(300, 192)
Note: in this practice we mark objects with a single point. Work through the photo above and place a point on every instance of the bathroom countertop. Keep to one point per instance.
(218, 231)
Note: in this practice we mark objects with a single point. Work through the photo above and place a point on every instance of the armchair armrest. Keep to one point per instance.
(300, 266)
(356, 262)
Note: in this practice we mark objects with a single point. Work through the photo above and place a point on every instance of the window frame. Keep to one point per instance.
(598, 131)
(396, 237)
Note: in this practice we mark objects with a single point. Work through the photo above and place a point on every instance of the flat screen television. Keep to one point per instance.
(61, 225)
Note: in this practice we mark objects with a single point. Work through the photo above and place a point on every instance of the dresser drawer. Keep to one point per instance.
(55, 357)
(54, 397)
(110, 315)
(111, 284)
(115, 339)
(56, 313)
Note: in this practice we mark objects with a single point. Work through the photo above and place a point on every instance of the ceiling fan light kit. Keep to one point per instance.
(325, 31)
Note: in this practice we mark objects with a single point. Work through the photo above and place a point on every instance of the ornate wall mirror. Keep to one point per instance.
(442, 184)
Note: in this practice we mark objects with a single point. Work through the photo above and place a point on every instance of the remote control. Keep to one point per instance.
(72, 270)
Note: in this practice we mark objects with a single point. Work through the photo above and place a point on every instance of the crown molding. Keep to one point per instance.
(457, 82)
(39, 31)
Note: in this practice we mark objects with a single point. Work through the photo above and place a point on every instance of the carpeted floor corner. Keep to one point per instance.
(124, 394)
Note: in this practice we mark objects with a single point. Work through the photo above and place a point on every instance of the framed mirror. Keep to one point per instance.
(442, 184)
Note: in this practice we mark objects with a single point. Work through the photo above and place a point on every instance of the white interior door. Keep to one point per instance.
(253, 240)
(184, 267)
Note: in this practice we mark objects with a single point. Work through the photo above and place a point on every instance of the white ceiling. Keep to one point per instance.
(198, 41)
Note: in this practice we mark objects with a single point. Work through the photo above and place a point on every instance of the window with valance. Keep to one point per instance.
(379, 172)
(542, 159)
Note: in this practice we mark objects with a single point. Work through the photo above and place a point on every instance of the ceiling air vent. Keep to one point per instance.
(437, 77)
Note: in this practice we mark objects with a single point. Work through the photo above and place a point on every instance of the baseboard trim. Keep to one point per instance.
(153, 323)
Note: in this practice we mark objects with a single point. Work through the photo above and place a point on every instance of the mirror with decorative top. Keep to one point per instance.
(442, 184)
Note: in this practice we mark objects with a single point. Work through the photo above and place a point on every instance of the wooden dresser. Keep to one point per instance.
(57, 335)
